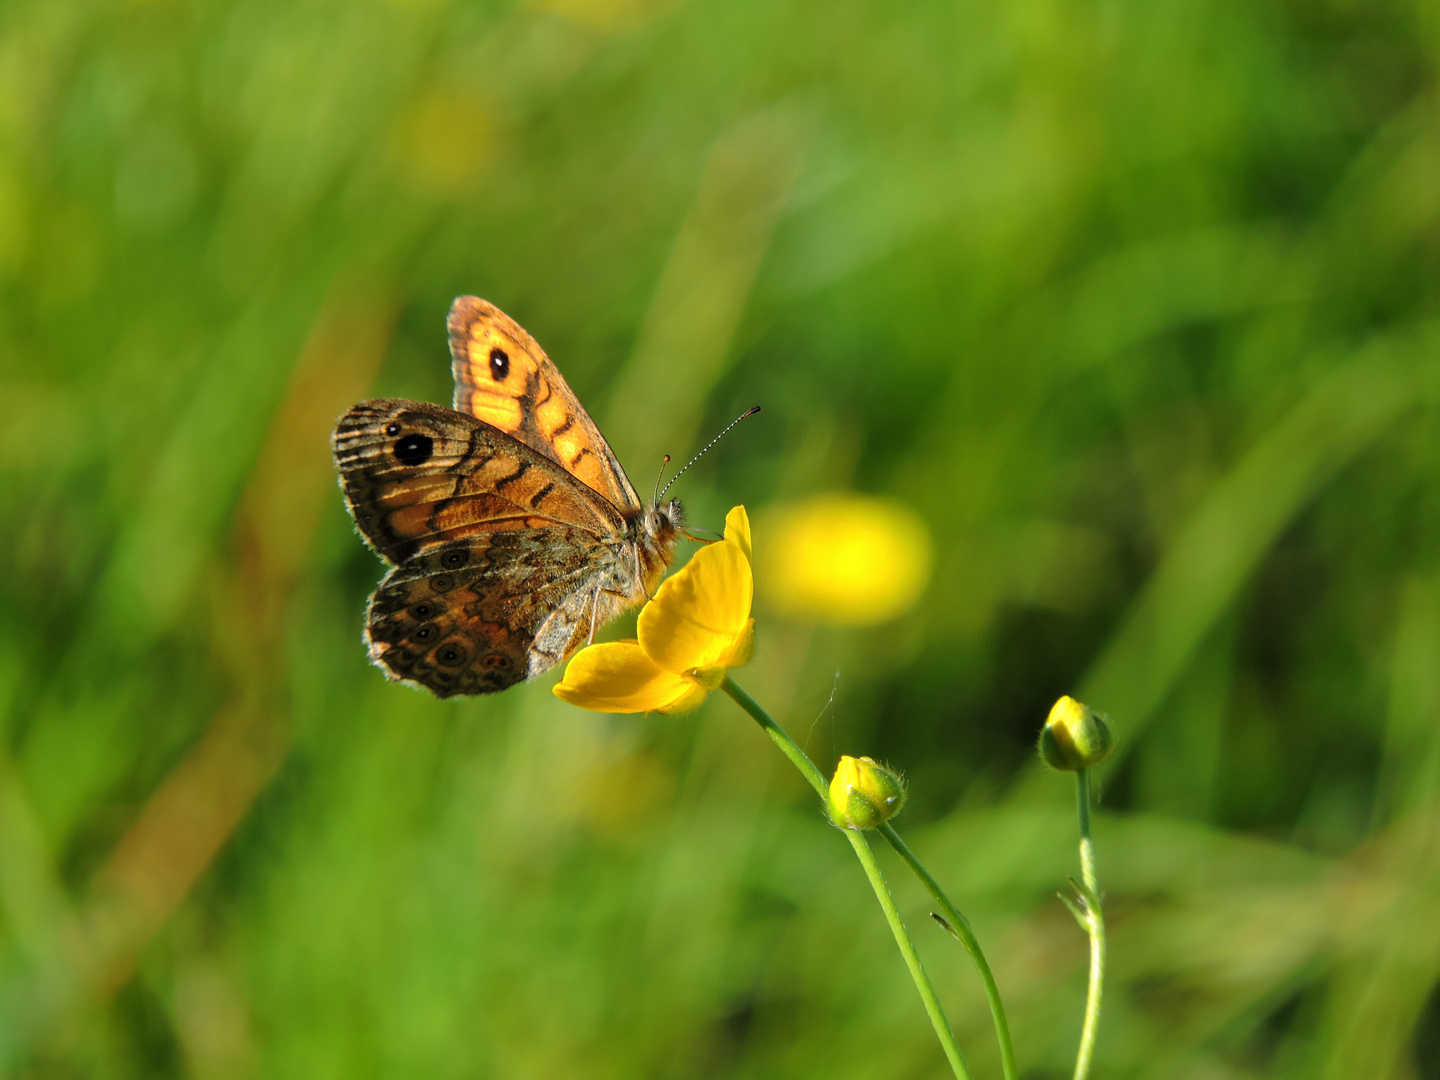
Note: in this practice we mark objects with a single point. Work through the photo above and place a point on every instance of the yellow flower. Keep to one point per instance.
(848, 559)
(697, 627)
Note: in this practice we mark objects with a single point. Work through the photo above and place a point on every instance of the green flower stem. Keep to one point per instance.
(1094, 924)
(958, 925)
(807, 768)
(788, 746)
(907, 949)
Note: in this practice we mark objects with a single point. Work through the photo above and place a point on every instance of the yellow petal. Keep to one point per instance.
(689, 698)
(737, 529)
(700, 616)
(617, 677)
(743, 648)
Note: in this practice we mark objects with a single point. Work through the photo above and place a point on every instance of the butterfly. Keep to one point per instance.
(512, 529)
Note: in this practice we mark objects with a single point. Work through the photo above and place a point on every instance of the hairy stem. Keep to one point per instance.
(1094, 924)
(959, 925)
(912, 959)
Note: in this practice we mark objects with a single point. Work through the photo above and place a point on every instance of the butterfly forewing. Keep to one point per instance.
(504, 378)
(417, 476)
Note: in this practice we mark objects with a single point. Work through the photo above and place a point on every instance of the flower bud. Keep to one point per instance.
(863, 794)
(1074, 738)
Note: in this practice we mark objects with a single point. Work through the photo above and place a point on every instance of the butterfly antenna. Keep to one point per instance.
(656, 499)
(747, 413)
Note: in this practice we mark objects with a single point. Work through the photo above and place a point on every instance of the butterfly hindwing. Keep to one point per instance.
(504, 378)
(417, 475)
(478, 616)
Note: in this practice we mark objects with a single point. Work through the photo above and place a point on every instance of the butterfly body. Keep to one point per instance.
(513, 530)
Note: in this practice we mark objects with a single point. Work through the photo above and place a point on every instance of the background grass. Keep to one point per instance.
(1132, 302)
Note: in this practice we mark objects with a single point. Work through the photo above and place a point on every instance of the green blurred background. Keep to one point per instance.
(1130, 302)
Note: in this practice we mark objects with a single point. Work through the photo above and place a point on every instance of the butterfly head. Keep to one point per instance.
(664, 521)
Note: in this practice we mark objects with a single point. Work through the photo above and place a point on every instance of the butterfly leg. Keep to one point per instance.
(594, 616)
(595, 610)
(640, 574)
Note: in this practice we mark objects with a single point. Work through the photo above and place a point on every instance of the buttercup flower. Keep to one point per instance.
(697, 628)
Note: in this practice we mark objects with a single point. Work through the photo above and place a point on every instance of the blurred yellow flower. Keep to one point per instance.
(849, 559)
(697, 627)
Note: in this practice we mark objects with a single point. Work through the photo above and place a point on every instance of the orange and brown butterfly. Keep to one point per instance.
(513, 530)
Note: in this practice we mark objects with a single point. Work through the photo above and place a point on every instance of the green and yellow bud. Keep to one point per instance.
(864, 794)
(1074, 737)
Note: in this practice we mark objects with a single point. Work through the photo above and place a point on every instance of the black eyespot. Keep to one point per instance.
(450, 655)
(422, 611)
(392, 429)
(414, 449)
(495, 660)
(454, 558)
(442, 583)
(499, 364)
(425, 633)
